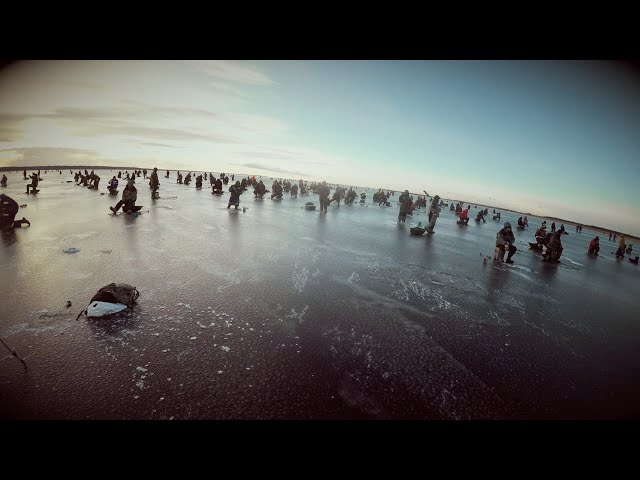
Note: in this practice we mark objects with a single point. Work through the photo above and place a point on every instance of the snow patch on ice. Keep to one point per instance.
(353, 278)
(300, 278)
(575, 263)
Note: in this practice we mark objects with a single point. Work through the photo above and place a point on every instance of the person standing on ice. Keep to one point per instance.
(323, 193)
(505, 240)
(154, 182)
(4, 181)
(236, 191)
(621, 247)
(433, 214)
(405, 202)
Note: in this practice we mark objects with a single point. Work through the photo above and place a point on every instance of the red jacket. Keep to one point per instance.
(464, 214)
(593, 243)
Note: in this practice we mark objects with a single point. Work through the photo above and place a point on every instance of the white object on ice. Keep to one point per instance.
(100, 309)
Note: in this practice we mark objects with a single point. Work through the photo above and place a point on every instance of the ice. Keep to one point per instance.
(424, 310)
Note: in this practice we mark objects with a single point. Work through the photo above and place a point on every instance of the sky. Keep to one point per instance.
(553, 138)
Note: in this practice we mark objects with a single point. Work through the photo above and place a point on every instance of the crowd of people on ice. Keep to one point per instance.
(547, 243)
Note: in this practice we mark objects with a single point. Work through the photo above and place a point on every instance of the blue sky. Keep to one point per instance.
(557, 138)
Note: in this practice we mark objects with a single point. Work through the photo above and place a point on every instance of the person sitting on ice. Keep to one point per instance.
(34, 183)
(129, 197)
(277, 190)
(554, 246)
(594, 246)
(199, 181)
(293, 190)
(187, 179)
(8, 210)
(480, 216)
(497, 216)
(218, 186)
(505, 240)
(464, 216)
(113, 185)
(350, 196)
(520, 223)
(259, 190)
(541, 234)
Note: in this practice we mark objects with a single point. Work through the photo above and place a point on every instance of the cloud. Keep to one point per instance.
(45, 156)
(117, 121)
(152, 144)
(268, 168)
(127, 129)
(298, 155)
(231, 71)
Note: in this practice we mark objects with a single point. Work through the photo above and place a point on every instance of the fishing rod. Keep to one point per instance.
(14, 353)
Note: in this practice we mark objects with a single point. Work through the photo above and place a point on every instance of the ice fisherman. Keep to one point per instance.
(8, 210)
(505, 240)
(405, 202)
(621, 247)
(113, 185)
(594, 246)
(236, 191)
(154, 183)
(34, 183)
(129, 197)
(323, 193)
(464, 216)
(434, 211)
(554, 246)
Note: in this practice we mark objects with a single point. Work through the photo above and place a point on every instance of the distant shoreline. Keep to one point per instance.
(604, 231)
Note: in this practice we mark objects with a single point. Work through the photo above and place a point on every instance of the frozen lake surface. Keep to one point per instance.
(283, 313)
